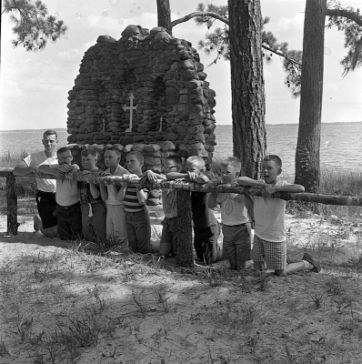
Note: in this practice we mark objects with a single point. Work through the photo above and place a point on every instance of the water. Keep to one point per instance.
(341, 144)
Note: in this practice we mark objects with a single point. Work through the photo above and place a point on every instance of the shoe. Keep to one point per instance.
(316, 266)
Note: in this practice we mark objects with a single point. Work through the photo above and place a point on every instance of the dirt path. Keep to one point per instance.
(62, 305)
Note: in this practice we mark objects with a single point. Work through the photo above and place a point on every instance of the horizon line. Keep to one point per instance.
(274, 124)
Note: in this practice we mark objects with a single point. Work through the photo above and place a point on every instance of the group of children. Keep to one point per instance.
(119, 214)
(98, 212)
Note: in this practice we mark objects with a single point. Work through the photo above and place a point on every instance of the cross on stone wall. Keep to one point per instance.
(131, 107)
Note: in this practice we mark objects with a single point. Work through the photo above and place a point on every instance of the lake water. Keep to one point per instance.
(341, 144)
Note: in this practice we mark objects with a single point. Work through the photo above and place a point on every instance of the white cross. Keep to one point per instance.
(161, 119)
(130, 108)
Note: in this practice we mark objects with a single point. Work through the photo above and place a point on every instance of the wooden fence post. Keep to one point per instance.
(12, 205)
(184, 253)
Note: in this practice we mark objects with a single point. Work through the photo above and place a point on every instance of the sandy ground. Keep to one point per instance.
(62, 305)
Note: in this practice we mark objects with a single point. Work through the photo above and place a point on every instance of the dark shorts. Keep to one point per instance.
(47, 208)
(69, 222)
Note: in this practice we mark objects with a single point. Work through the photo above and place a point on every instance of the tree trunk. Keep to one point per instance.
(184, 249)
(164, 15)
(247, 84)
(307, 168)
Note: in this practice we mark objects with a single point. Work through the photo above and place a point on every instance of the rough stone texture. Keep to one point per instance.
(168, 83)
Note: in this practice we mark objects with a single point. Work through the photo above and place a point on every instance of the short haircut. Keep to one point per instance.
(234, 162)
(138, 155)
(63, 150)
(196, 160)
(90, 151)
(175, 159)
(273, 157)
(50, 132)
(115, 149)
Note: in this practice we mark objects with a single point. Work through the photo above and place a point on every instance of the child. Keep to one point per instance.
(91, 204)
(115, 218)
(270, 240)
(169, 236)
(134, 200)
(206, 227)
(235, 209)
(69, 218)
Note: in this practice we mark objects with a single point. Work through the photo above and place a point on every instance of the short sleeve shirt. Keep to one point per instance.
(112, 190)
(37, 159)
(269, 217)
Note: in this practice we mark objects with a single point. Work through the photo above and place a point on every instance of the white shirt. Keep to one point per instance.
(269, 217)
(37, 159)
(67, 192)
(233, 209)
(112, 190)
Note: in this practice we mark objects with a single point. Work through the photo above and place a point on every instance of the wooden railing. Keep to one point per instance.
(183, 201)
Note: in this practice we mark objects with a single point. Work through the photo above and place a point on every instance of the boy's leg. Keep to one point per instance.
(166, 239)
(242, 246)
(216, 251)
(62, 222)
(143, 231)
(131, 232)
(75, 221)
(98, 222)
(198, 241)
(258, 254)
(276, 256)
(86, 223)
(118, 223)
(228, 247)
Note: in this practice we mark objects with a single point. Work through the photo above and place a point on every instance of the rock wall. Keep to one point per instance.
(172, 100)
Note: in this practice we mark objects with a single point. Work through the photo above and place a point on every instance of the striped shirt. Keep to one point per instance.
(130, 202)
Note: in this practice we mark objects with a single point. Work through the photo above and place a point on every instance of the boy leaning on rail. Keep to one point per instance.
(270, 240)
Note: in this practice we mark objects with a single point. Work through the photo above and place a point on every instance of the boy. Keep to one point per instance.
(111, 195)
(235, 211)
(91, 204)
(134, 200)
(206, 227)
(69, 218)
(270, 240)
(168, 242)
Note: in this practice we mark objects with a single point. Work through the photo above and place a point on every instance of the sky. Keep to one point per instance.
(34, 85)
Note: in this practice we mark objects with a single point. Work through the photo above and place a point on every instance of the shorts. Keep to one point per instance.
(47, 208)
(274, 254)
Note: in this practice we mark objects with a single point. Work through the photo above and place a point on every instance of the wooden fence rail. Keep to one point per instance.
(183, 200)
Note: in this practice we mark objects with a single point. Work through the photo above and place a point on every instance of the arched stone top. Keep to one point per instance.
(153, 76)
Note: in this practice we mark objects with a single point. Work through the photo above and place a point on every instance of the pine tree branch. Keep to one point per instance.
(345, 14)
(201, 14)
(226, 21)
(282, 55)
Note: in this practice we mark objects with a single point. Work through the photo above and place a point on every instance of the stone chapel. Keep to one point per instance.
(146, 91)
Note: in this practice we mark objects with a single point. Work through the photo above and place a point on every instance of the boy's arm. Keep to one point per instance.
(153, 176)
(50, 169)
(22, 169)
(176, 175)
(94, 190)
(212, 200)
(103, 191)
(247, 181)
(292, 188)
(142, 195)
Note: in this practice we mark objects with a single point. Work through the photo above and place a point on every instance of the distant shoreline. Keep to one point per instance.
(217, 125)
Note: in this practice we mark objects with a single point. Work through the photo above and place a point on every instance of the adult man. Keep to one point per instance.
(45, 196)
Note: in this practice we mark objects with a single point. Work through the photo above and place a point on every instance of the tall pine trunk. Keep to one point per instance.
(247, 84)
(307, 158)
(164, 15)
